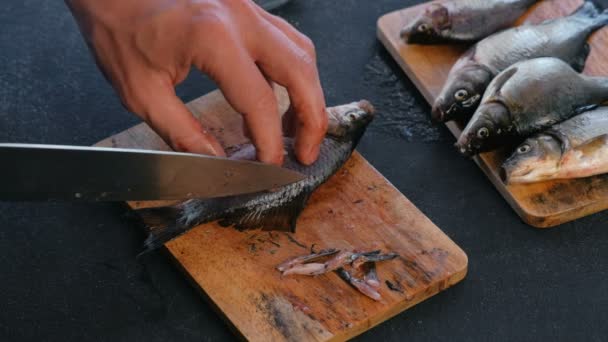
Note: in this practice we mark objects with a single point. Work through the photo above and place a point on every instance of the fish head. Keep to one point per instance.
(348, 122)
(428, 27)
(461, 93)
(536, 159)
(489, 127)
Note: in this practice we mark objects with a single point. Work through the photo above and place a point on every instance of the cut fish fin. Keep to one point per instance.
(588, 148)
(579, 62)
(281, 218)
(562, 138)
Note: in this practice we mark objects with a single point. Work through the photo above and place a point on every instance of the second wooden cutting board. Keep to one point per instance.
(542, 205)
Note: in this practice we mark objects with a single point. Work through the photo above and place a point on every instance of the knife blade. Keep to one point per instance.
(56, 172)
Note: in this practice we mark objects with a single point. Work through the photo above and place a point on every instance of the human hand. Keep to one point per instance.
(146, 47)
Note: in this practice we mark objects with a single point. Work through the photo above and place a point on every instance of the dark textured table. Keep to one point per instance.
(68, 271)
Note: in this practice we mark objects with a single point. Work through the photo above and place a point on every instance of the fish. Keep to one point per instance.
(564, 38)
(575, 148)
(463, 21)
(527, 98)
(277, 209)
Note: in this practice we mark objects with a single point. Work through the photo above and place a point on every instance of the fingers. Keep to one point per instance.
(250, 94)
(288, 58)
(167, 115)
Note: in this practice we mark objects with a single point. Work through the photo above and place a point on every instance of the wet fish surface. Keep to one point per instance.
(564, 38)
(272, 210)
(526, 98)
(463, 21)
(575, 148)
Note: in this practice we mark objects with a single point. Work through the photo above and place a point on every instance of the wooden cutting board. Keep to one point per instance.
(357, 208)
(542, 205)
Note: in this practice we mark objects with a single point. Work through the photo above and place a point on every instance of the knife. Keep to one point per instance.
(55, 172)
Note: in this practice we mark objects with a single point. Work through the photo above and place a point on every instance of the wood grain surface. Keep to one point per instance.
(542, 205)
(356, 209)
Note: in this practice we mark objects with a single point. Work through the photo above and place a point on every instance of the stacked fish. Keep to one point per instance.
(521, 87)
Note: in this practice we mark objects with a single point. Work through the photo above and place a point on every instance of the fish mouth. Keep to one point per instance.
(437, 114)
(421, 38)
(510, 176)
(505, 175)
(405, 34)
(464, 150)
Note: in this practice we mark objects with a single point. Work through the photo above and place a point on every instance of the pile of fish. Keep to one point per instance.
(362, 274)
(521, 86)
(278, 209)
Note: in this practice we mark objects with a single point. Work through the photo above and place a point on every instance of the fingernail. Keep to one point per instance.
(310, 156)
(271, 158)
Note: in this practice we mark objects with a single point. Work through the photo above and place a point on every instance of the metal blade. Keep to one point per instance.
(52, 172)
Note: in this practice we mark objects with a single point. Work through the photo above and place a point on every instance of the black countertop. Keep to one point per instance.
(68, 271)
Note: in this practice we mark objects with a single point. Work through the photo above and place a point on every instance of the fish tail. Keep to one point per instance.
(602, 19)
(166, 223)
(591, 13)
(587, 10)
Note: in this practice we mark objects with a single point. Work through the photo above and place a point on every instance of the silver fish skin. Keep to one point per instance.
(564, 38)
(575, 148)
(526, 98)
(463, 21)
(271, 210)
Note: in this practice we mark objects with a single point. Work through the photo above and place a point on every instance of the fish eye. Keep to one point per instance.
(461, 95)
(483, 133)
(423, 27)
(524, 149)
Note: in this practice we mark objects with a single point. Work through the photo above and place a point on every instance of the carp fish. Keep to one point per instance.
(526, 98)
(564, 38)
(463, 21)
(575, 148)
(276, 209)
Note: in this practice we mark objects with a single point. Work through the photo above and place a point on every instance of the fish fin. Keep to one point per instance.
(579, 62)
(166, 223)
(586, 149)
(281, 218)
(583, 109)
(587, 9)
(590, 11)
(562, 138)
(158, 222)
(503, 78)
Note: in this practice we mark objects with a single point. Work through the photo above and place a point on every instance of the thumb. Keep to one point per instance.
(167, 115)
